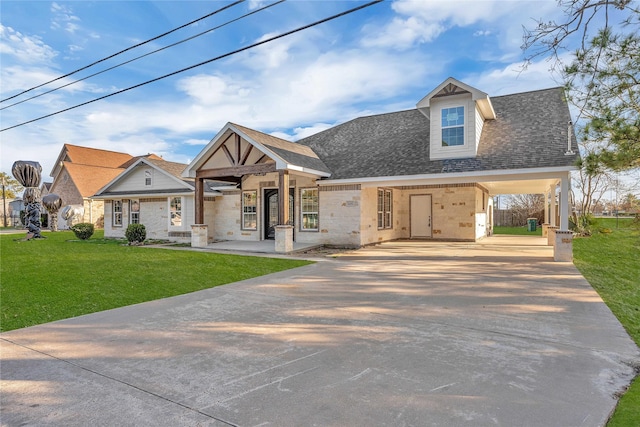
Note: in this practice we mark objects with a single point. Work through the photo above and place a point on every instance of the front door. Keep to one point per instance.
(420, 211)
(271, 212)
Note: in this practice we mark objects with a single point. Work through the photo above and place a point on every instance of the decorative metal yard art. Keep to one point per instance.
(29, 174)
(53, 203)
(72, 212)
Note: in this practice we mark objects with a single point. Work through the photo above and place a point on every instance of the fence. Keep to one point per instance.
(514, 218)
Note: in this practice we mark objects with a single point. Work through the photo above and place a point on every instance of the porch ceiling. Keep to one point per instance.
(532, 186)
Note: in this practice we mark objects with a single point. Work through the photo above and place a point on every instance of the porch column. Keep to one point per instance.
(283, 197)
(552, 206)
(199, 201)
(284, 231)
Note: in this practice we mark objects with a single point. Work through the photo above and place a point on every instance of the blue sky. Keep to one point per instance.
(384, 58)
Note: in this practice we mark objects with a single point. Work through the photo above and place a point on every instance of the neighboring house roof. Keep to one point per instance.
(530, 131)
(90, 156)
(91, 168)
(89, 179)
(135, 159)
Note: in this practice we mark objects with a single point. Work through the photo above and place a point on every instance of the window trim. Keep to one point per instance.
(316, 212)
(116, 216)
(148, 177)
(170, 200)
(132, 202)
(456, 126)
(385, 210)
(245, 214)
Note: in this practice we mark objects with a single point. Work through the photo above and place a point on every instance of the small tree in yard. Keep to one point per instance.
(136, 233)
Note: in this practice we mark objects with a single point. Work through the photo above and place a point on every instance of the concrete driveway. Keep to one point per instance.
(401, 334)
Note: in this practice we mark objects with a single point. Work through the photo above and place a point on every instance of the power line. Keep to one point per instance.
(145, 55)
(288, 33)
(126, 50)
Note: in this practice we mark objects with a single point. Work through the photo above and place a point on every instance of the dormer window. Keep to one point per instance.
(457, 113)
(452, 126)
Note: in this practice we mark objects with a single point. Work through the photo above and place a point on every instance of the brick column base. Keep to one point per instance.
(199, 235)
(284, 238)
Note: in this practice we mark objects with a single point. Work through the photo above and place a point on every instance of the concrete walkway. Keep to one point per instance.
(401, 334)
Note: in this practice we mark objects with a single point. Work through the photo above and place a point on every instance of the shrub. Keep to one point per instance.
(83, 231)
(136, 233)
(582, 224)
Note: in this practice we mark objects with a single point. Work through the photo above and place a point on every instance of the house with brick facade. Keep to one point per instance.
(152, 192)
(426, 173)
(79, 172)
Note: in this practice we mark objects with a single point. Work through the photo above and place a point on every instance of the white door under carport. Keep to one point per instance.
(420, 212)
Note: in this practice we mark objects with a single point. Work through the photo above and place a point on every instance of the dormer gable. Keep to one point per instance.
(457, 113)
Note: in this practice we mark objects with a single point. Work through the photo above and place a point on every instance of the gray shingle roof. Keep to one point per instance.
(290, 152)
(530, 131)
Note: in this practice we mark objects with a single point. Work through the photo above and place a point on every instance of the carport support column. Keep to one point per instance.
(545, 225)
(284, 231)
(552, 206)
(563, 245)
(565, 209)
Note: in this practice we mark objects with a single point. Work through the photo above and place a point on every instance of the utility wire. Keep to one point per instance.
(126, 50)
(145, 55)
(347, 12)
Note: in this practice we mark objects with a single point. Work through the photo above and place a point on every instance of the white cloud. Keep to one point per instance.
(513, 79)
(402, 33)
(26, 49)
(421, 21)
(63, 18)
(482, 33)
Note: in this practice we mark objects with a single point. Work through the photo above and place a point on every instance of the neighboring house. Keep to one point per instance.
(13, 210)
(152, 192)
(424, 173)
(81, 171)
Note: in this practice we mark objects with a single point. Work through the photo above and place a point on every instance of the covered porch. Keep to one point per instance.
(262, 170)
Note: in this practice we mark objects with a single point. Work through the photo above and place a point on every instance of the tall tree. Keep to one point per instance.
(592, 180)
(11, 186)
(603, 77)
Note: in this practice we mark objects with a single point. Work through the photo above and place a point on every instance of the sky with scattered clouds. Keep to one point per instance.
(383, 58)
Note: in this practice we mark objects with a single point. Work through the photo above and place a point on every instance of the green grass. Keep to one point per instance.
(610, 261)
(60, 277)
(519, 231)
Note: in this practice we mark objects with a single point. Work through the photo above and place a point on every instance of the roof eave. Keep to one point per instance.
(454, 177)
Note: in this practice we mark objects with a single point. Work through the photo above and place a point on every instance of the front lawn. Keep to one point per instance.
(519, 231)
(60, 277)
(610, 261)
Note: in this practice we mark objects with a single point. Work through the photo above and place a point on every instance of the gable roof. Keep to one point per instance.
(89, 179)
(530, 131)
(453, 86)
(90, 156)
(286, 154)
(171, 169)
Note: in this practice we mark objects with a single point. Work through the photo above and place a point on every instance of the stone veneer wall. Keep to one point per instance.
(226, 215)
(453, 210)
(339, 216)
(154, 215)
